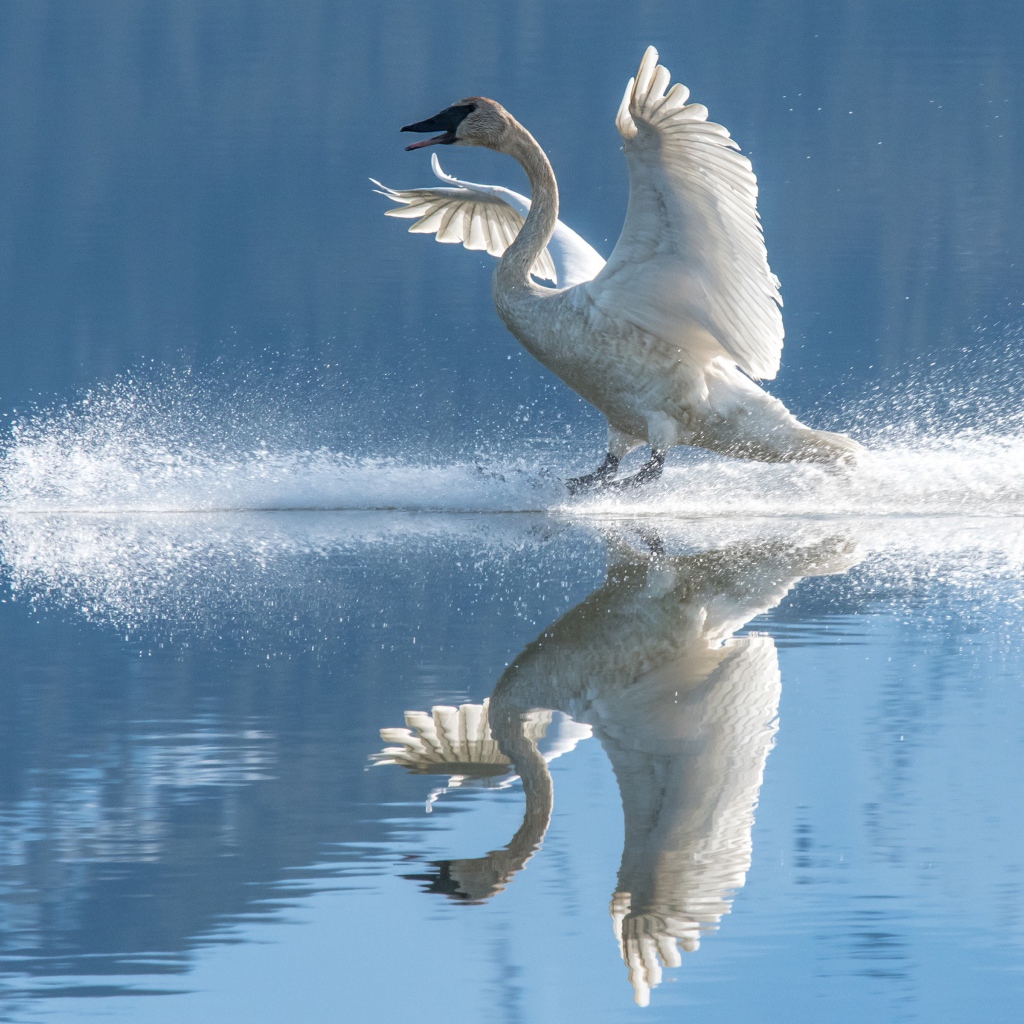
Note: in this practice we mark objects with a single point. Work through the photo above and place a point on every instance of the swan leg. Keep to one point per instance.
(599, 478)
(649, 471)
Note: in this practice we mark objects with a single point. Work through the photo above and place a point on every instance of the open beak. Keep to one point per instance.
(445, 139)
(446, 122)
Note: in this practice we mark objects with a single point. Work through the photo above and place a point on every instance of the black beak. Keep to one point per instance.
(446, 122)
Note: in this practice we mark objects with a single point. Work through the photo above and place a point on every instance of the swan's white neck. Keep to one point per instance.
(513, 271)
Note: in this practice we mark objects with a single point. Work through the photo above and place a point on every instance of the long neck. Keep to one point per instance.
(514, 269)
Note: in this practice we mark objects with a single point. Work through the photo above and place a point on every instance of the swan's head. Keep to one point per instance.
(476, 121)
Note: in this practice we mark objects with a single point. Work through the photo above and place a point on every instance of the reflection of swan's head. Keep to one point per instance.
(476, 121)
(468, 880)
(459, 743)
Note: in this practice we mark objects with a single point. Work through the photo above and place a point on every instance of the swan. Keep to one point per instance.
(686, 711)
(668, 336)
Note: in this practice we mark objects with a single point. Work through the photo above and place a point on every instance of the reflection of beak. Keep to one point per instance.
(446, 122)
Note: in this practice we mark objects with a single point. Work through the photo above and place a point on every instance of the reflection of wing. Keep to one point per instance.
(691, 249)
(448, 741)
(689, 773)
(488, 217)
(458, 742)
(686, 714)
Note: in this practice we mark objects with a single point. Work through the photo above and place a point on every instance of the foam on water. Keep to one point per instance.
(137, 504)
(229, 572)
(164, 449)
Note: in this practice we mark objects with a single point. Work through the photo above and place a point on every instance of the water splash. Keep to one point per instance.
(172, 446)
(965, 475)
(292, 575)
(138, 504)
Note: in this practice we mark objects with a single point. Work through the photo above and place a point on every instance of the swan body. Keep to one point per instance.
(667, 337)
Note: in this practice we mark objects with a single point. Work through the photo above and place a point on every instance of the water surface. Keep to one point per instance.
(321, 700)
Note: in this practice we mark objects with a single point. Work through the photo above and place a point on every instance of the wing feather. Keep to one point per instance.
(489, 217)
(477, 220)
(691, 250)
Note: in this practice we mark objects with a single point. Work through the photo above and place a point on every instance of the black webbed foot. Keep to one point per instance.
(599, 478)
(647, 473)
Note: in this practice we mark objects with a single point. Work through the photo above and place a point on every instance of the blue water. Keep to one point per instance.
(190, 804)
(288, 568)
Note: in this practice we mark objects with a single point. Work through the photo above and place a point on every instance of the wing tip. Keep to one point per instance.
(623, 119)
(649, 59)
(435, 166)
(388, 193)
(646, 74)
(768, 369)
(636, 91)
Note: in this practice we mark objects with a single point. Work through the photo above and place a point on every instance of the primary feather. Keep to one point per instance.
(691, 249)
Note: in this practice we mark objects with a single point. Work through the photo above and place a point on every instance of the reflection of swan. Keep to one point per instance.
(686, 713)
(654, 337)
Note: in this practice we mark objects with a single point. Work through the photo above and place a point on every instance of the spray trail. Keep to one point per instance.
(173, 447)
(135, 505)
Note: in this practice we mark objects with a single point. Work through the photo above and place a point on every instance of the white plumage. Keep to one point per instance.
(666, 336)
(685, 711)
(488, 218)
(691, 253)
(458, 742)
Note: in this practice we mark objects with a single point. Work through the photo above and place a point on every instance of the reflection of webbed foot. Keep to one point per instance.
(599, 478)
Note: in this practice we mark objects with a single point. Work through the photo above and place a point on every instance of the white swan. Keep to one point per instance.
(665, 337)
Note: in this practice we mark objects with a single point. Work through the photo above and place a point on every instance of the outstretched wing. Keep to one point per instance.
(691, 250)
(480, 220)
(488, 217)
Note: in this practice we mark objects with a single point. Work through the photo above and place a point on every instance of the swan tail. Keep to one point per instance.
(827, 447)
(790, 443)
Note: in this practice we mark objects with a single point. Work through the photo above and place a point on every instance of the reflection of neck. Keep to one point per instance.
(509, 729)
(514, 269)
(480, 878)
